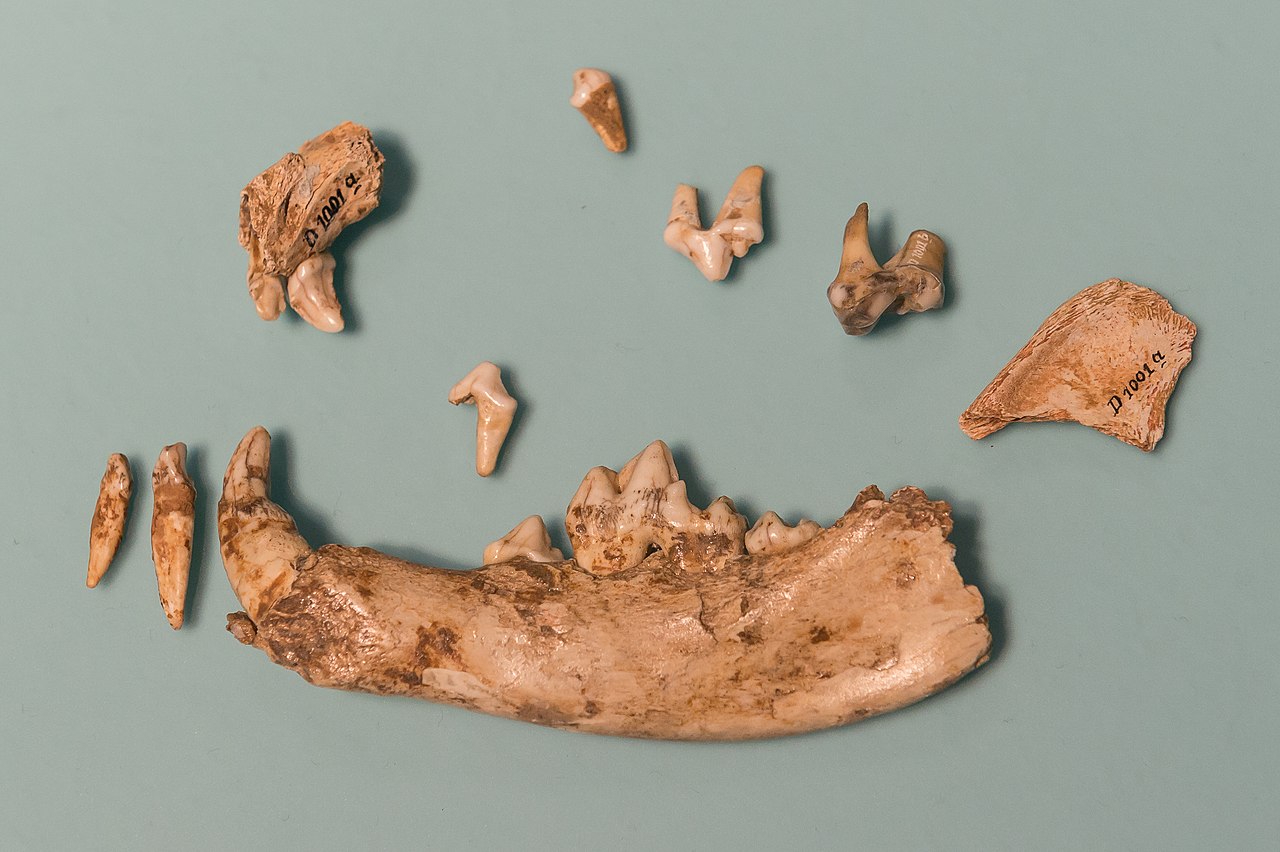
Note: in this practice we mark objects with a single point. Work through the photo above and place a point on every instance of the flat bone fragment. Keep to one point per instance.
(867, 616)
(911, 280)
(771, 534)
(172, 525)
(529, 540)
(495, 409)
(106, 529)
(296, 209)
(595, 96)
(1109, 358)
(737, 227)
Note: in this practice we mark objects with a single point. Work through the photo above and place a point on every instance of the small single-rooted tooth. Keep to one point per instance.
(738, 226)
(296, 209)
(311, 293)
(771, 534)
(1109, 357)
(616, 521)
(109, 516)
(529, 540)
(595, 96)
(495, 409)
(172, 524)
(863, 290)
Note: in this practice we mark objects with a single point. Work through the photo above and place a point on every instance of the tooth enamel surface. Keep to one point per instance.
(495, 411)
(595, 96)
(110, 513)
(737, 227)
(529, 540)
(267, 292)
(771, 534)
(172, 524)
(311, 293)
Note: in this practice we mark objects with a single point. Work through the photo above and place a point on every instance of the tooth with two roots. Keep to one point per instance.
(738, 226)
(867, 616)
(863, 290)
(110, 513)
(172, 525)
(311, 293)
(771, 534)
(495, 410)
(529, 540)
(595, 96)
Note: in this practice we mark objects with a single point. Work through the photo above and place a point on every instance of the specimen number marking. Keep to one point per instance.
(331, 207)
(1135, 384)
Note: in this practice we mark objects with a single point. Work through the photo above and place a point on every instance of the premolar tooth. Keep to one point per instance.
(740, 222)
(495, 409)
(311, 293)
(109, 516)
(172, 523)
(595, 96)
(529, 540)
(267, 292)
(771, 534)
(652, 468)
(710, 253)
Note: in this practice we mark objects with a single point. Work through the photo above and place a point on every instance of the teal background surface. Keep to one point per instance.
(1131, 699)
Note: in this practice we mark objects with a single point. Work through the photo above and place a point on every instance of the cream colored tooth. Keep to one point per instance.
(595, 96)
(740, 222)
(529, 540)
(652, 468)
(109, 516)
(725, 519)
(598, 486)
(495, 409)
(771, 534)
(311, 293)
(267, 292)
(738, 226)
(172, 525)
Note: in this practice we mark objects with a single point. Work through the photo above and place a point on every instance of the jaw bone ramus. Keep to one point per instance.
(667, 627)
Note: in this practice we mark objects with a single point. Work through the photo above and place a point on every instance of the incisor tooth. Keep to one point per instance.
(311, 293)
(737, 227)
(529, 540)
(495, 409)
(109, 516)
(172, 524)
(595, 96)
(771, 534)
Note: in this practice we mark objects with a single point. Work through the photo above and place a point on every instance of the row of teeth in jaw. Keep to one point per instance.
(617, 519)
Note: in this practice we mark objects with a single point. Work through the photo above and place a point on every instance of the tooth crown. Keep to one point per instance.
(529, 540)
(616, 520)
(771, 534)
(738, 226)
(495, 411)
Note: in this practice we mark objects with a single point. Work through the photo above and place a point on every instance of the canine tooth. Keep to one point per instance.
(771, 534)
(863, 290)
(740, 222)
(311, 293)
(529, 540)
(109, 516)
(172, 524)
(595, 96)
(495, 409)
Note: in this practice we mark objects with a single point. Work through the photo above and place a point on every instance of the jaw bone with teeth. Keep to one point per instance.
(661, 626)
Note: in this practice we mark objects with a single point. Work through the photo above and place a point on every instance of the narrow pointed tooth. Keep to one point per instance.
(740, 221)
(771, 534)
(596, 97)
(260, 543)
(529, 539)
(856, 258)
(172, 525)
(495, 411)
(311, 293)
(110, 513)
(675, 507)
(652, 468)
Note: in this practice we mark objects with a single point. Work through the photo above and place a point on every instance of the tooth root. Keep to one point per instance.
(684, 209)
(740, 221)
(529, 540)
(738, 226)
(596, 97)
(495, 410)
(771, 534)
(172, 525)
(856, 259)
(106, 529)
(311, 293)
(652, 468)
(259, 541)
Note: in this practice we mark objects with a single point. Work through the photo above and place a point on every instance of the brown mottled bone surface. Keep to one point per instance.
(1079, 364)
(867, 616)
(282, 210)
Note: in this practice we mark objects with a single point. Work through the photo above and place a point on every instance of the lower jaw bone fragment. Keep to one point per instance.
(109, 516)
(911, 280)
(738, 226)
(685, 636)
(172, 524)
(495, 410)
(595, 96)
(293, 212)
(1109, 358)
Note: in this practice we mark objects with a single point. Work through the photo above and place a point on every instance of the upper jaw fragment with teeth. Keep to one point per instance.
(909, 281)
(738, 226)
(668, 622)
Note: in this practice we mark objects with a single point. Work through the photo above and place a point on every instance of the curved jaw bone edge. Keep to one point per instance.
(738, 226)
(596, 97)
(867, 616)
(495, 411)
(863, 290)
(1109, 358)
(297, 207)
